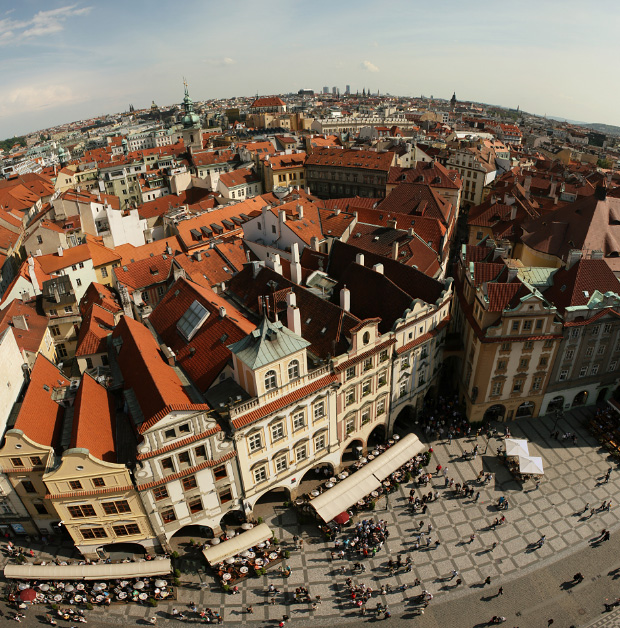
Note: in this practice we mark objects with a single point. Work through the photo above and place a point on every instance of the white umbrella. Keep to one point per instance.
(103, 585)
(139, 585)
(23, 586)
(69, 588)
(230, 561)
(215, 541)
(531, 465)
(247, 526)
(516, 447)
(44, 587)
(160, 583)
(97, 587)
(245, 554)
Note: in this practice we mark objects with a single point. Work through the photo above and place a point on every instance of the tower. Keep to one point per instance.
(192, 132)
(453, 102)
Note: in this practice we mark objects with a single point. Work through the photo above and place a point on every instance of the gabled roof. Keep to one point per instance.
(101, 295)
(101, 255)
(429, 172)
(96, 326)
(419, 199)
(505, 295)
(576, 285)
(268, 343)
(53, 262)
(206, 354)
(94, 420)
(364, 159)
(130, 253)
(243, 176)
(40, 417)
(146, 272)
(268, 101)
(30, 339)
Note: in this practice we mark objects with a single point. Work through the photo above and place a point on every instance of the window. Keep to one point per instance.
(35, 461)
(104, 272)
(184, 459)
(167, 464)
(350, 373)
(601, 350)
(382, 381)
(366, 388)
(93, 533)
(612, 365)
(594, 369)
(301, 453)
(517, 386)
(225, 496)
(381, 406)
(349, 397)
(76, 485)
(367, 364)
(543, 362)
(17, 462)
(168, 516)
(501, 365)
(127, 529)
(255, 442)
(184, 429)
(569, 354)
(78, 282)
(505, 346)
(515, 326)
(41, 509)
(528, 344)
(536, 382)
(563, 374)
(271, 381)
(55, 330)
(281, 464)
(200, 452)
(595, 330)
(89, 363)
(404, 363)
(548, 344)
(421, 379)
(607, 329)
(319, 410)
(383, 356)
(349, 426)
(116, 508)
(160, 492)
(53, 312)
(260, 474)
(299, 421)
(277, 431)
(189, 482)
(589, 351)
(170, 433)
(365, 416)
(574, 333)
(402, 389)
(293, 370)
(195, 505)
(84, 510)
(319, 442)
(583, 371)
(539, 323)
(497, 388)
(39, 240)
(523, 363)
(219, 472)
(527, 325)
(68, 309)
(98, 482)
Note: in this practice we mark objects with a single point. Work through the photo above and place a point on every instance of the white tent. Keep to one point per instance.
(107, 571)
(361, 483)
(238, 544)
(516, 447)
(531, 465)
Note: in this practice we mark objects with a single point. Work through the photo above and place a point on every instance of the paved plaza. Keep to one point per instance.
(573, 477)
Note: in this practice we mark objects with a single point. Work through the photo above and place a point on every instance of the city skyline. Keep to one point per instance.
(67, 61)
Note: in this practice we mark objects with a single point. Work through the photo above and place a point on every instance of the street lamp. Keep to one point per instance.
(558, 415)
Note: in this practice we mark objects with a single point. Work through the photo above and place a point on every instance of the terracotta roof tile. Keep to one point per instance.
(146, 272)
(179, 443)
(360, 159)
(96, 326)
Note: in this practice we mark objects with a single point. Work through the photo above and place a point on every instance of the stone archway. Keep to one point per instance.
(495, 413)
(121, 551)
(353, 450)
(232, 519)
(525, 409)
(602, 395)
(377, 437)
(181, 540)
(405, 421)
(557, 403)
(580, 399)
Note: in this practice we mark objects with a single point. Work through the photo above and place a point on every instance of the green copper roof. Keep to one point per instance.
(268, 343)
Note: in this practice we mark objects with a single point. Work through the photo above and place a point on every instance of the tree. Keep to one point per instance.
(604, 163)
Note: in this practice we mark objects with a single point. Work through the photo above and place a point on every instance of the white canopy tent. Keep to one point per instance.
(531, 465)
(516, 447)
(354, 488)
(107, 571)
(238, 544)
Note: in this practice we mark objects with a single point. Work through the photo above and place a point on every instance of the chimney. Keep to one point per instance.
(345, 299)
(512, 273)
(314, 242)
(222, 312)
(293, 315)
(256, 266)
(336, 211)
(296, 276)
(574, 255)
(598, 254)
(391, 223)
(273, 262)
(198, 256)
(359, 259)
(300, 210)
(20, 322)
(60, 251)
(411, 232)
(513, 212)
(168, 249)
(282, 216)
(552, 188)
(378, 268)
(395, 249)
(527, 183)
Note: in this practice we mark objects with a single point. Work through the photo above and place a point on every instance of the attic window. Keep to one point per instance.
(586, 294)
(224, 338)
(323, 330)
(191, 321)
(46, 387)
(308, 321)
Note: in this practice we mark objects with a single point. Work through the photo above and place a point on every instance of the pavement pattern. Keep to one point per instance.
(573, 477)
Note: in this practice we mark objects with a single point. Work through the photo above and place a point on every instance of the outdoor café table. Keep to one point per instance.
(251, 555)
(375, 452)
(226, 576)
(143, 596)
(315, 493)
(374, 494)
(273, 555)
(258, 561)
(371, 457)
(361, 502)
(243, 569)
(329, 485)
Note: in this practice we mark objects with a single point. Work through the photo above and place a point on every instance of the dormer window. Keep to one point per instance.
(293, 370)
(271, 380)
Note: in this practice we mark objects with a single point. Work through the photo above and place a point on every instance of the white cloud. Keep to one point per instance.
(221, 62)
(42, 23)
(371, 67)
(28, 98)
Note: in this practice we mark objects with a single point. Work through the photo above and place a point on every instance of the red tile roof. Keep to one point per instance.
(99, 295)
(30, 339)
(243, 176)
(53, 262)
(179, 443)
(362, 159)
(206, 354)
(268, 101)
(94, 420)
(146, 272)
(130, 253)
(40, 417)
(283, 402)
(424, 337)
(418, 199)
(431, 173)
(96, 326)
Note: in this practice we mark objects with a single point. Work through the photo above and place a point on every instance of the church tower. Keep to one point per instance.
(453, 102)
(192, 131)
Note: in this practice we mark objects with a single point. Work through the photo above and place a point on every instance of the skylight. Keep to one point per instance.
(191, 321)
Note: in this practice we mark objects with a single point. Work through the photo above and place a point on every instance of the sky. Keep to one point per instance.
(62, 61)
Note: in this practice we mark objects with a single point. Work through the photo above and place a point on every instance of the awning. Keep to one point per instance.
(109, 571)
(342, 518)
(238, 544)
(516, 447)
(361, 483)
(531, 465)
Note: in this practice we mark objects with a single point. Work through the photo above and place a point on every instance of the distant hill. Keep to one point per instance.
(608, 129)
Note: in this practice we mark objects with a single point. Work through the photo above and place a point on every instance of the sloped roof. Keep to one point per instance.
(101, 295)
(419, 199)
(145, 272)
(204, 357)
(576, 285)
(27, 339)
(243, 176)
(130, 253)
(430, 172)
(53, 262)
(268, 101)
(94, 420)
(96, 326)
(268, 343)
(40, 417)
(364, 159)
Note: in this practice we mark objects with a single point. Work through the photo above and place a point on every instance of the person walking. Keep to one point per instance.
(607, 475)
(477, 496)
(487, 580)
(500, 591)
(455, 573)
(471, 539)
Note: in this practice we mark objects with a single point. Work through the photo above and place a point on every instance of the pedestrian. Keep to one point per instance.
(487, 580)
(549, 622)
(608, 505)
(471, 538)
(592, 511)
(494, 546)
(477, 496)
(301, 544)
(249, 610)
(602, 506)
(455, 573)
(458, 581)
(607, 475)
(537, 484)
(586, 508)
(500, 591)
(295, 540)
